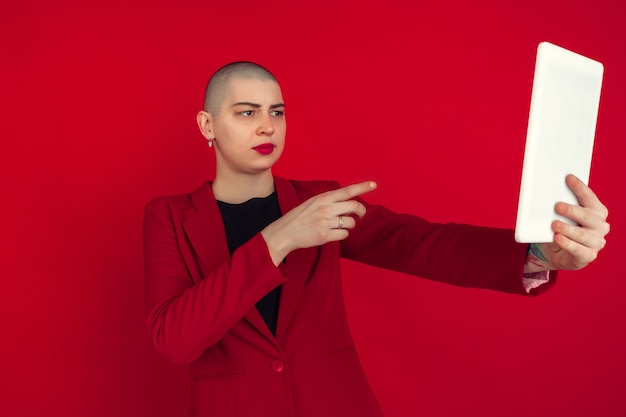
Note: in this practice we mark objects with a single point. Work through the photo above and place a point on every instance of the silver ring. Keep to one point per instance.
(340, 226)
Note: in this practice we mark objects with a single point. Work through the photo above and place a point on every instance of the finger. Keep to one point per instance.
(351, 191)
(584, 216)
(346, 208)
(581, 255)
(585, 195)
(586, 237)
(337, 234)
(346, 222)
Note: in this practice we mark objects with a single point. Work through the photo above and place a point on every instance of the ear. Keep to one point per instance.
(205, 124)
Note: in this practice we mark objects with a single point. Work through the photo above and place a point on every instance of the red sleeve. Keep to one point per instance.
(463, 255)
(185, 318)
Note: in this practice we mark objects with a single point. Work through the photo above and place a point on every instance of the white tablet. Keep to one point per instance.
(559, 140)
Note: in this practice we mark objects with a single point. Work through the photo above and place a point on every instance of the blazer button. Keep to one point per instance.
(278, 366)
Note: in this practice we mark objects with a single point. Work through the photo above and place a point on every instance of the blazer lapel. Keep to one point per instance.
(205, 230)
(300, 263)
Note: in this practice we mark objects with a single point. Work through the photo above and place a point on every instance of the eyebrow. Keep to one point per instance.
(256, 105)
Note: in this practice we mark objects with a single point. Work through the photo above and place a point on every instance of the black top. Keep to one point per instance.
(242, 222)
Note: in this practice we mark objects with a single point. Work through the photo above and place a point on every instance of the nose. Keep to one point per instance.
(266, 126)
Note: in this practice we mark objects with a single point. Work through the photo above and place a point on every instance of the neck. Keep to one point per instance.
(238, 188)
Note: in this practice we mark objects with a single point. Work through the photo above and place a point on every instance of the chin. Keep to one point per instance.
(270, 161)
(260, 168)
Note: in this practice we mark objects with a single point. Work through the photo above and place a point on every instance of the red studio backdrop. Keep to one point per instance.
(430, 99)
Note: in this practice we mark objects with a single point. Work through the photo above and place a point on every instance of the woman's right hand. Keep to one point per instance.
(324, 218)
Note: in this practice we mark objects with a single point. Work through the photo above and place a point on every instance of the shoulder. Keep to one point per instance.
(178, 204)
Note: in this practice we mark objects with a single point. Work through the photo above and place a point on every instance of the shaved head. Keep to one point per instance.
(218, 85)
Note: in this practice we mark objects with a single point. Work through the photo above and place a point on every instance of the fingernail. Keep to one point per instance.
(372, 185)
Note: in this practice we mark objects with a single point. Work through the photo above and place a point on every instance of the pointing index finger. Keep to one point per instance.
(354, 190)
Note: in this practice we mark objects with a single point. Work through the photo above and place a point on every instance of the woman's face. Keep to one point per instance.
(250, 127)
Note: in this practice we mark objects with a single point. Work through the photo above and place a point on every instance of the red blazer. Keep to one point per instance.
(201, 301)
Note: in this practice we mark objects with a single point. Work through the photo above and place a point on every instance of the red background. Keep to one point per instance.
(429, 99)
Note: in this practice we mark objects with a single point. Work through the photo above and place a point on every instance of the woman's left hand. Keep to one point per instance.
(575, 246)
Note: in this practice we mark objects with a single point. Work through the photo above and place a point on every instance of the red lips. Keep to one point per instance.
(265, 148)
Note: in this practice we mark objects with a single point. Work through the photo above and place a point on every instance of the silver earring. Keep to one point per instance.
(210, 142)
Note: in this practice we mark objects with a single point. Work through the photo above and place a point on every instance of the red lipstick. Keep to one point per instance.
(264, 148)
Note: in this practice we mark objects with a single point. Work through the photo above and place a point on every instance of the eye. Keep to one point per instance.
(247, 113)
(278, 113)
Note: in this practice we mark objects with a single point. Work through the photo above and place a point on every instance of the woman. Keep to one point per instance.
(243, 278)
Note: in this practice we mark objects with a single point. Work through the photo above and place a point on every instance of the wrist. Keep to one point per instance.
(276, 246)
(536, 261)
